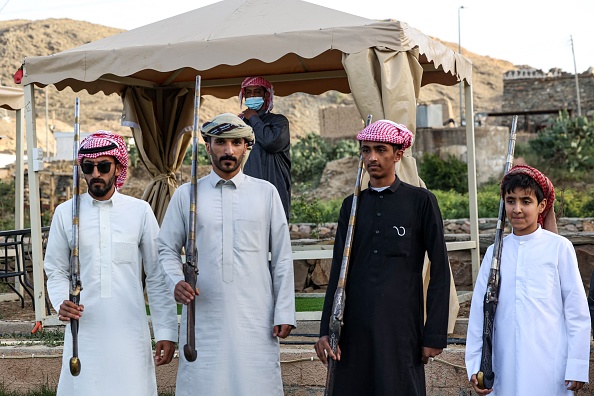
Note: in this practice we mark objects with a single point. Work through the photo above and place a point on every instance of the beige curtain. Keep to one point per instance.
(386, 84)
(160, 120)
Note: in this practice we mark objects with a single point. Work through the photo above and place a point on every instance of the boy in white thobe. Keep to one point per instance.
(541, 336)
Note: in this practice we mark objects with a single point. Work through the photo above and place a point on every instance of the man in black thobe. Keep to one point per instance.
(385, 341)
(270, 156)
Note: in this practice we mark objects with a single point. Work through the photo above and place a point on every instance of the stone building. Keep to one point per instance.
(538, 96)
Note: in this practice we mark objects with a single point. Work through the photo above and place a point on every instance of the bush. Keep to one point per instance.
(314, 211)
(201, 156)
(567, 144)
(311, 153)
(439, 174)
(7, 202)
(308, 159)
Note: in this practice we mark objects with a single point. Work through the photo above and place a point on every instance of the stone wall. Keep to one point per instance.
(312, 275)
(546, 91)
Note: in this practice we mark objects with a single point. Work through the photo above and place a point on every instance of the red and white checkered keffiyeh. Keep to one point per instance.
(103, 143)
(262, 82)
(545, 184)
(387, 131)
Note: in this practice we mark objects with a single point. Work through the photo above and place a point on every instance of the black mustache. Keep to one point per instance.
(96, 181)
(228, 157)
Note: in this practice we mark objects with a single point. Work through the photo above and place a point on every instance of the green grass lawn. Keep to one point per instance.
(309, 304)
(302, 304)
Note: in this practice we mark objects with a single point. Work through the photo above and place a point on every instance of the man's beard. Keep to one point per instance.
(227, 169)
(98, 188)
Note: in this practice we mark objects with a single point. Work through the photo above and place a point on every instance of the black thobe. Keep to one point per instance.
(270, 157)
(383, 333)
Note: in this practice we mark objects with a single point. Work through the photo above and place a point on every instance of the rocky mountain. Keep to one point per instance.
(20, 38)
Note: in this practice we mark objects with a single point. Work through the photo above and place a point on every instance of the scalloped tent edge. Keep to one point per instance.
(324, 50)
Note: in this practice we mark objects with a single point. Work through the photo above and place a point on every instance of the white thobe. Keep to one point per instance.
(242, 294)
(117, 238)
(541, 331)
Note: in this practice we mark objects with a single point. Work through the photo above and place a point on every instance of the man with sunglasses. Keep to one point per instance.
(117, 240)
(244, 302)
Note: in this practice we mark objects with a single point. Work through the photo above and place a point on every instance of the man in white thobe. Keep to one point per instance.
(117, 239)
(244, 302)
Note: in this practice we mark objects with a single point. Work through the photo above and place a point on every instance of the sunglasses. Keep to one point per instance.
(102, 167)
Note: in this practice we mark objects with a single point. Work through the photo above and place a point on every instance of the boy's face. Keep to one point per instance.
(522, 210)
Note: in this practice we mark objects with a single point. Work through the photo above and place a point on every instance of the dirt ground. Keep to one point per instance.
(11, 310)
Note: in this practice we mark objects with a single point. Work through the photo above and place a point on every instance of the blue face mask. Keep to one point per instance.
(254, 103)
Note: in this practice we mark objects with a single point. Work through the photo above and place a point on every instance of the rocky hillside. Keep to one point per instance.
(20, 38)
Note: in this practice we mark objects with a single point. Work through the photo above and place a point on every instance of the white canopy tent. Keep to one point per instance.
(298, 46)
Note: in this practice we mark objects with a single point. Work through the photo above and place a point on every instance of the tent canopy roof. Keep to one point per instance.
(297, 45)
(12, 98)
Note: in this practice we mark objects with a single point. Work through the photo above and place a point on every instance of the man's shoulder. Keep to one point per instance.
(276, 117)
(259, 183)
(132, 200)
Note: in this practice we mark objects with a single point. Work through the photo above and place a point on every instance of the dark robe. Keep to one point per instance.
(270, 157)
(383, 333)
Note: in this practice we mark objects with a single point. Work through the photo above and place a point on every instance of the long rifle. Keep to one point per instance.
(191, 264)
(75, 281)
(486, 376)
(340, 296)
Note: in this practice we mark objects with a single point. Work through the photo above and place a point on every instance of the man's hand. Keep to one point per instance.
(479, 391)
(323, 350)
(282, 331)
(574, 385)
(164, 352)
(248, 113)
(430, 353)
(69, 310)
(183, 292)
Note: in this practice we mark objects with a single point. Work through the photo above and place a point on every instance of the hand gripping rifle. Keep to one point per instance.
(191, 264)
(75, 282)
(340, 296)
(486, 376)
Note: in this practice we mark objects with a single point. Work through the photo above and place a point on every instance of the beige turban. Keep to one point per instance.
(228, 126)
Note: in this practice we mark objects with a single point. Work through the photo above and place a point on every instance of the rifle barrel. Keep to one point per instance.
(191, 264)
(340, 295)
(75, 281)
(486, 376)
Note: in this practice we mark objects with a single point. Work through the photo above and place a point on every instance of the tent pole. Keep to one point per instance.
(34, 201)
(19, 185)
(472, 194)
(19, 182)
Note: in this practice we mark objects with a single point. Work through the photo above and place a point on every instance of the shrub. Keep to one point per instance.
(314, 211)
(311, 153)
(452, 204)
(567, 144)
(439, 174)
(308, 159)
(201, 156)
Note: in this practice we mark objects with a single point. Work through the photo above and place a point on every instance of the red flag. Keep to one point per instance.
(18, 76)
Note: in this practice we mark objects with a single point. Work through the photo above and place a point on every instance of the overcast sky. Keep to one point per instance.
(524, 32)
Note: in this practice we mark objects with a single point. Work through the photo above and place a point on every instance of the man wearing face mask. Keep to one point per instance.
(270, 157)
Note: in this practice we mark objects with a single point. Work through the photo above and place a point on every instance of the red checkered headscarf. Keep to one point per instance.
(387, 131)
(543, 181)
(106, 143)
(258, 82)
